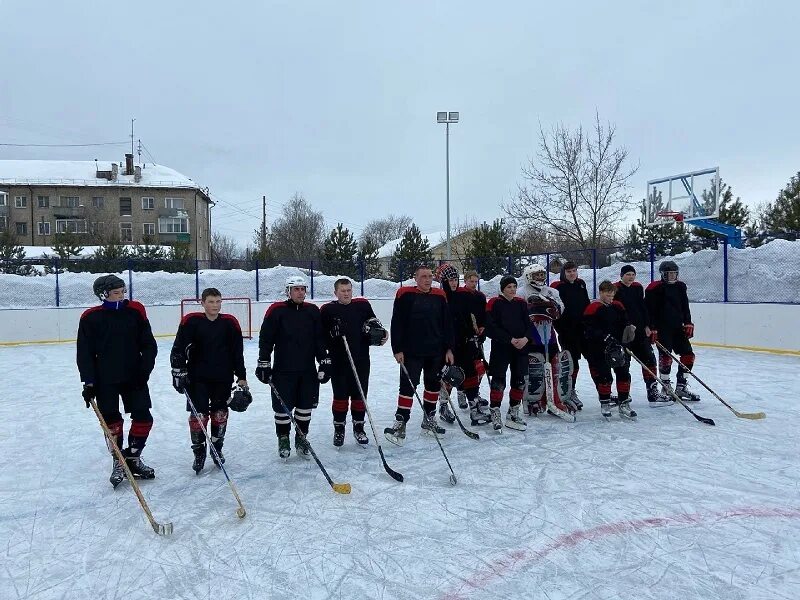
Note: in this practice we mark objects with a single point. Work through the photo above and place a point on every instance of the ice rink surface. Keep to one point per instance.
(665, 507)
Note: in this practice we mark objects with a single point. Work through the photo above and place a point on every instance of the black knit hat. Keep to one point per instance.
(507, 280)
(626, 269)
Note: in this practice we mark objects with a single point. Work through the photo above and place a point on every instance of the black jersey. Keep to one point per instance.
(210, 350)
(601, 320)
(632, 298)
(421, 322)
(351, 318)
(464, 305)
(575, 298)
(115, 343)
(506, 319)
(667, 305)
(294, 332)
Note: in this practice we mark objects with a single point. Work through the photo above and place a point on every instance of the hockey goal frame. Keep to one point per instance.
(189, 305)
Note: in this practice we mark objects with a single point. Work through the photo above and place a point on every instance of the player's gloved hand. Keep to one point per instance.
(628, 334)
(336, 328)
(264, 371)
(88, 394)
(688, 329)
(653, 336)
(180, 377)
(324, 372)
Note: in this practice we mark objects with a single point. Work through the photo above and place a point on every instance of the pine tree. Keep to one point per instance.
(732, 212)
(111, 257)
(489, 249)
(66, 248)
(12, 256)
(180, 259)
(148, 256)
(368, 257)
(783, 216)
(339, 252)
(412, 251)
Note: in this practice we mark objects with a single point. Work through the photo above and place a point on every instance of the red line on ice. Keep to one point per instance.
(499, 567)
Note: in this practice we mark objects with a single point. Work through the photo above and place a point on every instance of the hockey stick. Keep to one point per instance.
(453, 479)
(391, 472)
(667, 388)
(339, 488)
(754, 416)
(159, 528)
(240, 512)
(470, 434)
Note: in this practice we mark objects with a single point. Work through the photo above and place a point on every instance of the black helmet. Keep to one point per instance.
(616, 356)
(667, 266)
(240, 399)
(452, 375)
(375, 331)
(103, 285)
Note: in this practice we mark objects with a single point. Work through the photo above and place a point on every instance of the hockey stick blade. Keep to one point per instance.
(470, 434)
(162, 528)
(341, 488)
(391, 472)
(752, 416)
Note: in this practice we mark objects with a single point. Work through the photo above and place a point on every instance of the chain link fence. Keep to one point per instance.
(765, 269)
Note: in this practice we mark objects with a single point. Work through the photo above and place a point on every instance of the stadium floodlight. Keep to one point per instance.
(441, 117)
(447, 117)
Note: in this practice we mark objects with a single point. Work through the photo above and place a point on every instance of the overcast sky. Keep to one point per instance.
(337, 100)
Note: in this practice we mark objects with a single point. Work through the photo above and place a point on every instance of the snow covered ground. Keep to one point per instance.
(662, 508)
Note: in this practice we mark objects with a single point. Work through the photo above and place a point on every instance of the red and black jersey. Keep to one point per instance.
(506, 319)
(667, 305)
(575, 298)
(115, 343)
(632, 298)
(601, 320)
(351, 318)
(209, 350)
(465, 304)
(294, 332)
(421, 322)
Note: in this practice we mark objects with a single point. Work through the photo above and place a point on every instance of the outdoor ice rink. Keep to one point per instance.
(663, 508)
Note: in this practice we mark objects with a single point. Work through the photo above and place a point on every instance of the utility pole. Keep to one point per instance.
(263, 224)
(132, 120)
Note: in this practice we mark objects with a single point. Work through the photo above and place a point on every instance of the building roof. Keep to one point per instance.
(84, 173)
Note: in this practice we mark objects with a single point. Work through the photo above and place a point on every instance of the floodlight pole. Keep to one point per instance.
(447, 118)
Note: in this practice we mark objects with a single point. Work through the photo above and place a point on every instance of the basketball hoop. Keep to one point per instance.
(669, 214)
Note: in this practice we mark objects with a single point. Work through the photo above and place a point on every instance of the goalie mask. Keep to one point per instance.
(452, 375)
(240, 399)
(535, 275)
(375, 331)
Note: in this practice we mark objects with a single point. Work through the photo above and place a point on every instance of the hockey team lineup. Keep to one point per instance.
(537, 335)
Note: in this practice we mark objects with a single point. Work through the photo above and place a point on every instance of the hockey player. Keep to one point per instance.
(422, 341)
(671, 324)
(471, 279)
(292, 329)
(465, 307)
(507, 326)
(352, 319)
(631, 294)
(544, 308)
(207, 354)
(572, 290)
(116, 353)
(607, 329)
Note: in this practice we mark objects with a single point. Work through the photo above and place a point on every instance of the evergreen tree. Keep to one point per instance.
(110, 257)
(180, 259)
(148, 256)
(732, 212)
(66, 248)
(368, 257)
(12, 256)
(489, 249)
(339, 252)
(783, 216)
(412, 251)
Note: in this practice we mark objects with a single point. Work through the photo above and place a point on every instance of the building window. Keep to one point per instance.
(98, 202)
(69, 201)
(44, 228)
(20, 202)
(98, 228)
(70, 225)
(22, 228)
(126, 232)
(149, 228)
(3, 223)
(44, 201)
(148, 203)
(125, 207)
(173, 203)
(3, 199)
(173, 225)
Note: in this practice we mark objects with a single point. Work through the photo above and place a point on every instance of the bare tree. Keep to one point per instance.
(577, 189)
(299, 232)
(384, 230)
(224, 250)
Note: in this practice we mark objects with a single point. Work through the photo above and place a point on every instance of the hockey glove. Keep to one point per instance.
(628, 334)
(264, 371)
(688, 329)
(179, 380)
(653, 336)
(336, 328)
(324, 372)
(88, 394)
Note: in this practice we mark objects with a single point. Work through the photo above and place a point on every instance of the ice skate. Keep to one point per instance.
(625, 410)
(477, 415)
(218, 447)
(446, 413)
(302, 446)
(514, 420)
(138, 468)
(199, 449)
(462, 400)
(605, 409)
(429, 425)
(360, 434)
(684, 393)
(117, 473)
(396, 434)
(284, 448)
(338, 434)
(655, 397)
(497, 421)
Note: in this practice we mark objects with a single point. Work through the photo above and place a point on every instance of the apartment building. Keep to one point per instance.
(101, 200)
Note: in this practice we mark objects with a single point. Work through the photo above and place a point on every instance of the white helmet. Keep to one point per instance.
(295, 281)
(534, 274)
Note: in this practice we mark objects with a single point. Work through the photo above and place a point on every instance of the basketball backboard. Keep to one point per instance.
(684, 197)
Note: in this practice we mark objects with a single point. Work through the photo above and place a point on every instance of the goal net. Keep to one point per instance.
(238, 307)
